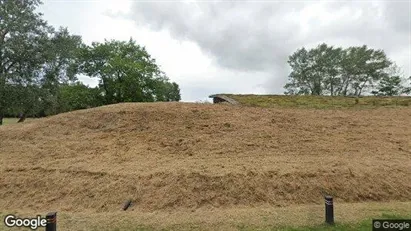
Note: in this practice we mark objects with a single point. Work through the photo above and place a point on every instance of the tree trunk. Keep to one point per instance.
(1, 105)
(345, 89)
(361, 87)
(2, 93)
(345, 85)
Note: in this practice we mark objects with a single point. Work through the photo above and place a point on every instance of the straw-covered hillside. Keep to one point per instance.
(182, 155)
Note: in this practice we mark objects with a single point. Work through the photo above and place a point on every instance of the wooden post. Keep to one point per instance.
(51, 221)
(329, 210)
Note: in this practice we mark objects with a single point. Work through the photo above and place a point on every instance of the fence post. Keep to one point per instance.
(51, 221)
(126, 205)
(329, 210)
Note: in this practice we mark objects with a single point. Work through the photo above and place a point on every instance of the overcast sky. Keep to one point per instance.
(210, 47)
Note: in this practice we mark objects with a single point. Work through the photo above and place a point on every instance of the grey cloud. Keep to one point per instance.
(259, 36)
(398, 16)
(389, 31)
(236, 34)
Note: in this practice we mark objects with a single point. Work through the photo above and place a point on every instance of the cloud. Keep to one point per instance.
(257, 37)
(210, 47)
(235, 34)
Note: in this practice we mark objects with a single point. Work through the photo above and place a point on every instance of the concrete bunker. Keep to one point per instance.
(223, 99)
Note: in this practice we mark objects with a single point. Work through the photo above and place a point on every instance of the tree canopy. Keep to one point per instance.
(23, 36)
(127, 73)
(329, 70)
(39, 66)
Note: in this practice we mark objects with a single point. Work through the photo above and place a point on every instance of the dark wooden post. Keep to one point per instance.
(51, 221)
(127, 205)
(329, 210)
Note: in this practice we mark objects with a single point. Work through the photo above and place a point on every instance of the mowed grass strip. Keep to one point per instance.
(8, 121)
(351, 216)
(320, 102)
(364, 225)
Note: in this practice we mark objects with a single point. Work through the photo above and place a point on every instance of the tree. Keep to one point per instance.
(314, 71)
(75, 96)
(60, 67)
(22, 38)
(24, 99)
(327, 66)
(390, 86)
(38, 67)
(362, 67)
(407, 90)
(327, 70)
(126, 72)
(167, 91)
(172, 92)
(300, 78)
(34, 59)
(391, 83)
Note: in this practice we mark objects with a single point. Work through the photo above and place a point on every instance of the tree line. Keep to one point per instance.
(353, 71)
(40, 65)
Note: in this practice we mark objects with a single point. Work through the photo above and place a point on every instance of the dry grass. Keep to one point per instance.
(178, 156)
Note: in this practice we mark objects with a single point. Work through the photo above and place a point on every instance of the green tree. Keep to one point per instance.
(361, 68)
(172, 92)
(301, 77)
(126, 72)
(315, 71)
(407, 90)
(22, 38)
(391, 83)
(75, 96)
(24, 99)
(34, 59)
(167, 91)
(326, 62)
(28, 47)
(390, 86)
(328, 70)
(60, 67)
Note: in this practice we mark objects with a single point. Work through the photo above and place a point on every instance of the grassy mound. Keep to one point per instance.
(320, 102)
(180, 155)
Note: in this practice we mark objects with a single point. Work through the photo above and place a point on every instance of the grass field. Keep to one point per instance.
(320, 102)
(353, 216)
(192, 166)
(7, 121)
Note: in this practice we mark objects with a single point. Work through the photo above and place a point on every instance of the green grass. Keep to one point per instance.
(365, 225)
(320, 102)
(7, 121)
(128, 225)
